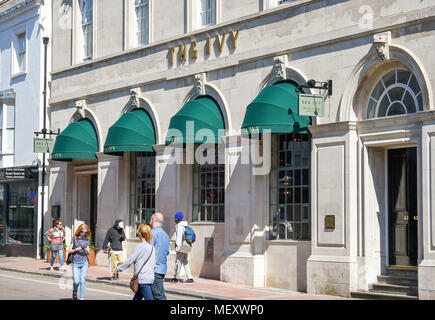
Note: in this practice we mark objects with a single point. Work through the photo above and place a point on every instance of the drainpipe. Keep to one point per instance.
(44, 131)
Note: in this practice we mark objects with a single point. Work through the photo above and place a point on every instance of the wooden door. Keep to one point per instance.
(402, 200)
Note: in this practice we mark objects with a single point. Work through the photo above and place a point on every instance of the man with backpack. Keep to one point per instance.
(185, 236)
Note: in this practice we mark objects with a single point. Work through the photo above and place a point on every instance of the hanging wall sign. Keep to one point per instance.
(311, 105)
(43, 145)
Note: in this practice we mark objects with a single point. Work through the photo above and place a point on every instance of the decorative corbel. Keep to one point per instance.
(279, 66)
(134, 97)
(200, 83)
(81, 107)
(382, 41)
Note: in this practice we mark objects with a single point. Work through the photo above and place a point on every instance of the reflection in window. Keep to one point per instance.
(207, 12)
(142, 15)
(20, 220)
(142, 202)
(209, 189)
(290, 187)
(396, 93)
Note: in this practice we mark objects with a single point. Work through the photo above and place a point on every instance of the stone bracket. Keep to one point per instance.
(382, 41)
(200, 80)
(279, 66)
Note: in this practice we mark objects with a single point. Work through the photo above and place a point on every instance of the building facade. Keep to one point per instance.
(192, 106)
(23, 24)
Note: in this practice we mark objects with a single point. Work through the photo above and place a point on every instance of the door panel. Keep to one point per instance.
(402, 194)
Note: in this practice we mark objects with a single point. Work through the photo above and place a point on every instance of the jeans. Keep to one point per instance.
(53, 256)
(157, 287)
(80, 269)
(144, 292)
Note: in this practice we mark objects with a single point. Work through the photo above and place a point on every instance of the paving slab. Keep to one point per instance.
(201, 288)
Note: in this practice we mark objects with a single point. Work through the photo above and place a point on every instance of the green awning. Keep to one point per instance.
(77, 141)
(276, 109)
(133, 132)
(193, 117)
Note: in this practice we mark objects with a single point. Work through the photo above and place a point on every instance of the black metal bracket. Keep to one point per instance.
(313, 84)
(45, 131)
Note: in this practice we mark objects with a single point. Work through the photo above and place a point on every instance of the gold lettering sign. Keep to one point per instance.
(219, 39)
(182, 54)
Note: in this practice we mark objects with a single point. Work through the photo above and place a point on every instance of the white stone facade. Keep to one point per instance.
(353, 43)
(23, 25)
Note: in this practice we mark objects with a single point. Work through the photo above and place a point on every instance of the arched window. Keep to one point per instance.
(396, 93)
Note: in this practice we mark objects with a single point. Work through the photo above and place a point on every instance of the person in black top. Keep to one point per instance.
(115, 235)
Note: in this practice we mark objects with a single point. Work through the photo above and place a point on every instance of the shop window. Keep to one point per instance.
(290, 213)
(209, 188)
(86, 11)
(142, 21)
(2, 232)
(396, 93)
(142, 201)
(20, 219)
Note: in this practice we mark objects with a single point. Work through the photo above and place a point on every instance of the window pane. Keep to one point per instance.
(413, 84)
(383, 106)
(408, 101)
(389, 78)
(22, 42)
(396, 94)
(10, 139)
(371, 109)
(10, 121)
(1, 117)
(1, 139)
(403, 76)
(379, 88)
(396, 109)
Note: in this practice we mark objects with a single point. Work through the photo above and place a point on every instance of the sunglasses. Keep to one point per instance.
(83, 231)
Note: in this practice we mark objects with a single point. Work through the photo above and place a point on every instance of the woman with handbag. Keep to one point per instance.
(79, 248)
(56, 236)
(144, 260)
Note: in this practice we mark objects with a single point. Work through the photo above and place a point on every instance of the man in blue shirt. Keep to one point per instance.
(160, 242)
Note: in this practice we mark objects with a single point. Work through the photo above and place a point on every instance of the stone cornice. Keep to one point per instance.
(332, 128)
(11, 12)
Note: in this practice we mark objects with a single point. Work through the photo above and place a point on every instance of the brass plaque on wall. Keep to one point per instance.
(330, 222)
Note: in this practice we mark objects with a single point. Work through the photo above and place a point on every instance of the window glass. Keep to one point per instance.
(21, 52)
(142, 203)
(290, 187)
(209, 189)
(208, 12)
(10, 121)
(142, 17)
(86, 22)
(1, 213)
(396, 93)
(20, 219)
(10, 140)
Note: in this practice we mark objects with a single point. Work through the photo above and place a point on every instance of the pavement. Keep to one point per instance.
(201, 288)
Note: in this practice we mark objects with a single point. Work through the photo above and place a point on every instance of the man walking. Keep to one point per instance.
(115, 235)
(160, 241)
(182, 247)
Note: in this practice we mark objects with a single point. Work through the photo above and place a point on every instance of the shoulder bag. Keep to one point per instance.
(70, 257)
(134, 283)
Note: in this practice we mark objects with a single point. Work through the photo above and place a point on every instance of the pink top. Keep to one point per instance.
(55, 236)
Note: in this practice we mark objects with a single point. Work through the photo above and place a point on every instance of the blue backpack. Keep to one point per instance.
(189, 235)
